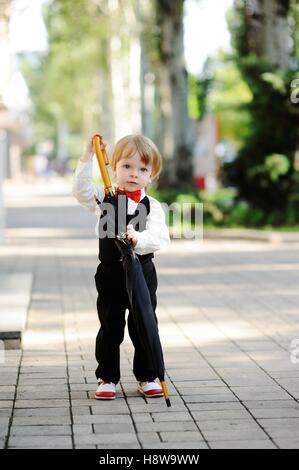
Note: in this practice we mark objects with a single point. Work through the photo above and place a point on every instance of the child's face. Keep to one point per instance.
(132, 174)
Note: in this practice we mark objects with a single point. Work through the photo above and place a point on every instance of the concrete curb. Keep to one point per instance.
(252, 234)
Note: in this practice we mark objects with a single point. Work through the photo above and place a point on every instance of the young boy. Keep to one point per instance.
(136, 161)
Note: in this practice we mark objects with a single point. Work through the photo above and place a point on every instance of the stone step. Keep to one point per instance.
(15, 291)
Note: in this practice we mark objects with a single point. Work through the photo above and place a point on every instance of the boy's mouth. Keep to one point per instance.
(132, 182)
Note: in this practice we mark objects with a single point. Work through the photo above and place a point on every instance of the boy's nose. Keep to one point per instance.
(134, 172)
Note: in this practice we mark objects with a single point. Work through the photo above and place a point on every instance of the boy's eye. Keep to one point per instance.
(144, 170)
(126, 165)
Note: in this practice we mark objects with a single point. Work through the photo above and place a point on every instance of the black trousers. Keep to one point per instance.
(112, 303)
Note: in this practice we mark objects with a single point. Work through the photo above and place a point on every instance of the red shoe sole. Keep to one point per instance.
(151, 394)
(105, 397)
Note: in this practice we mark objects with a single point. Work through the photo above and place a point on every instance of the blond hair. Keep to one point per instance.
(148, 151)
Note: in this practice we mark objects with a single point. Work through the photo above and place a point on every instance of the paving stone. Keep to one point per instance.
(82, 395)
(173, 417)
(41, 420)
(43, 388)
(214, 406)
(3, 430)
(120, 409)
(47, 430)
(270, 404)
(42, 394)
(228, 425)
(6, 396)
(81, 410)
(100, 439)
(142, 418)
(82, 428)
(247, 394)
(201, 384)
(234, 435)
(82, 387)
(166, 426)
(6, 404)
(42, 403)
(287, 443)
(188, 391)
(156, 408)
(120, 446)
(114, 428)
(148, 437)
(284, 427)
(4, 421)
(210, 398)
(220, 415)
(30, 412)
(86, 447)
(294, 373)
(42, 376)
(38, 382)
(43, 442)
(6, 379)
(103, 419)
(178, 436)
(276, 413)
(7, 388)
(244, 444)
(177, 445)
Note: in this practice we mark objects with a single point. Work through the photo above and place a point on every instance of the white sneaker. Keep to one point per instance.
(105, 391)
(150, 389)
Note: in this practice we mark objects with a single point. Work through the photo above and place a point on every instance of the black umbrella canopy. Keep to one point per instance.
(142, 309)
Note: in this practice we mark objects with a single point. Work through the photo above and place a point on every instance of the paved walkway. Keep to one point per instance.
(228, 312)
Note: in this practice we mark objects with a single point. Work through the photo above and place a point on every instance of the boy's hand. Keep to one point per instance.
(89, 150)
(132, 235)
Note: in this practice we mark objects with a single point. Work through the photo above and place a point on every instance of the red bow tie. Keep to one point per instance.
(135, 195)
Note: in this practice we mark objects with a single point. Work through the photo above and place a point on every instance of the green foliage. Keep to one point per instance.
(221, 90)
(63, 83)
(264, 171)
(229, 98)
(223, 208)
(199, 88)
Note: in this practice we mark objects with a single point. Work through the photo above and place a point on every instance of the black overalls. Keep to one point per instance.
(112, 303)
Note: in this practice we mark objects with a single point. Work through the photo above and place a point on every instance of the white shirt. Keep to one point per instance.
(156, 234)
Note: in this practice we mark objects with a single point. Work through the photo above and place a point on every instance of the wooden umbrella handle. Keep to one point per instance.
(103, 161)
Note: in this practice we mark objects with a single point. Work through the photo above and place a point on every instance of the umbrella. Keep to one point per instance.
(138, 293)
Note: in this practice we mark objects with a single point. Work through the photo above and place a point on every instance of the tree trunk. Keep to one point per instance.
(268, 31)
(125, 67)
(106, 100)
(144, 16)
(174, 126)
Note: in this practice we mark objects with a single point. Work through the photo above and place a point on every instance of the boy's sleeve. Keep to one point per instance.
(156, 233)
(83, 187)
